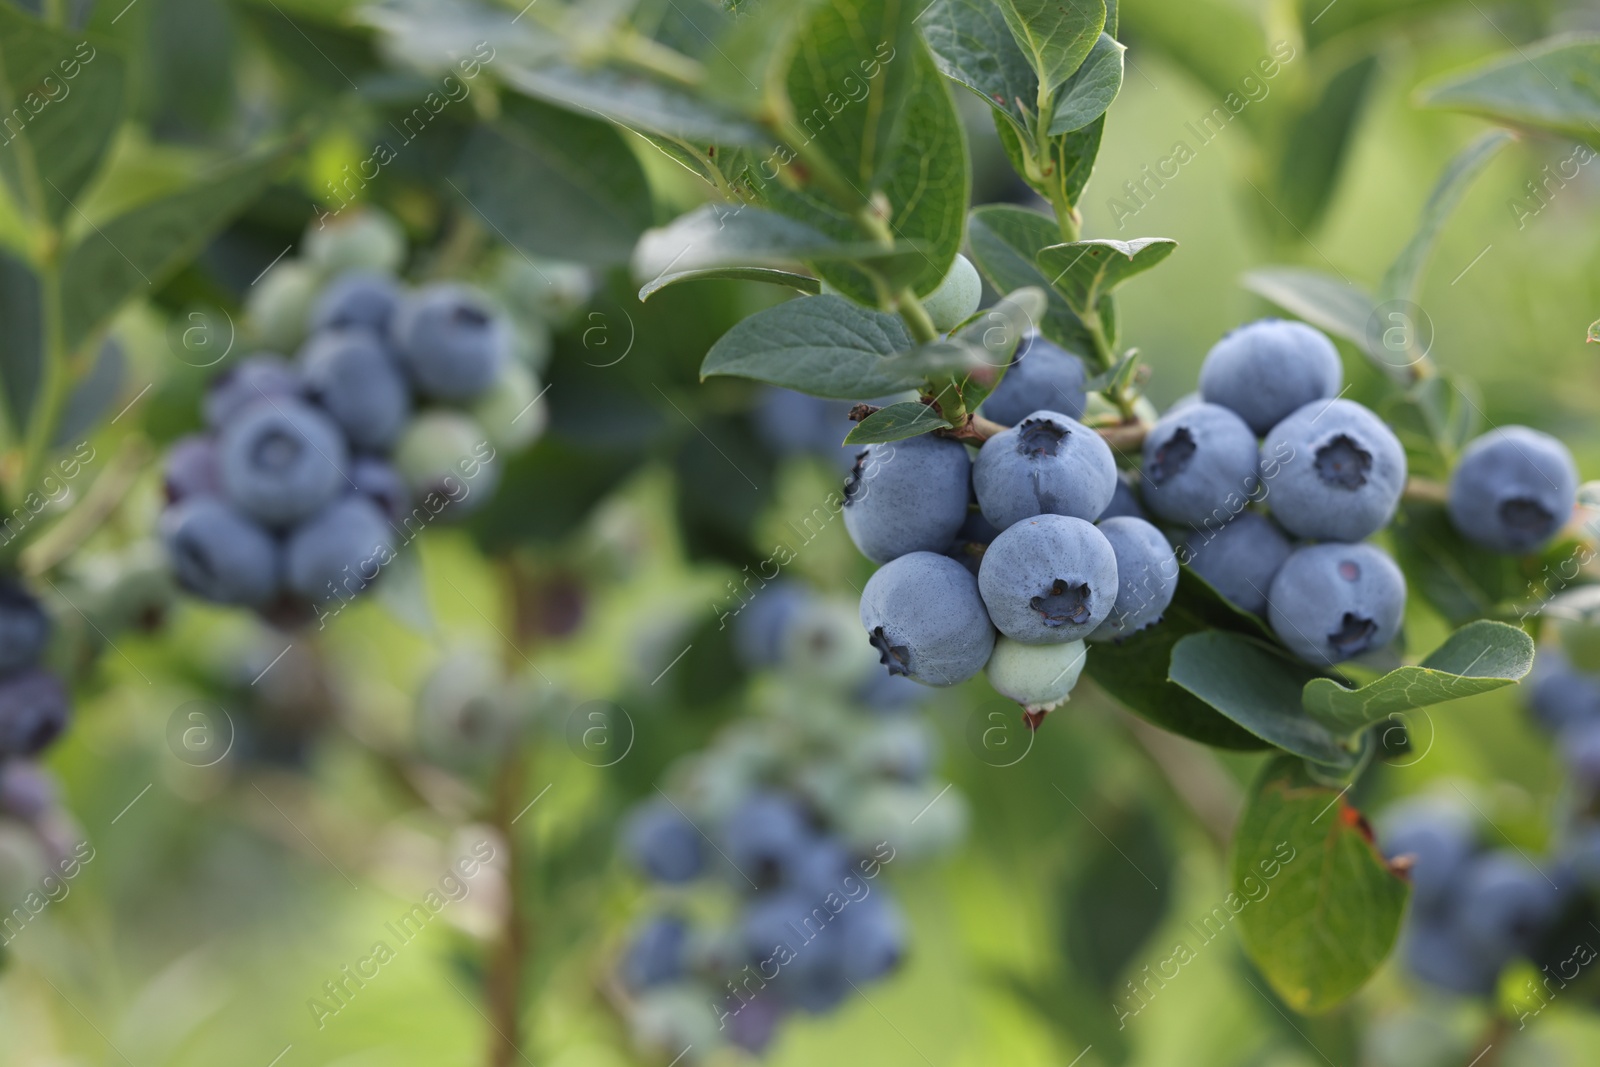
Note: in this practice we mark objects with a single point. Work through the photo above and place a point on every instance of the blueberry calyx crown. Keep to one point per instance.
(276, 451)
(1173, 455)
(1354, 635)
(1526, 517)
(1063, 603)
(1040, 437)
(852, 483)
(896, 657)
(1343, 464)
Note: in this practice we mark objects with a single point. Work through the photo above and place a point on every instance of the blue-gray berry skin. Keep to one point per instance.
(1124, 502)
(450, 340)
(1331, 602)
(762, 623)
(907, 496)
(1513, 490)
(1333, 471)
(377, 480)
(1043, 375)
(657, 954)
(1047, 464)
(1266, 370)
(357, 299)
(282, 460)
(24, 628)
(1147, 577)
(1436, 950)
(220, 554)
(33, 711)
(254, 378)
(1505, 904)
(1441, 838)
(766, 839)
(873, 938)
(338, 552)
(1199, 465)
(1240, 559)
(923, 614)
(1560, 696)
(192, 468)
(1049, 580)
(351, 374)
(663, 843)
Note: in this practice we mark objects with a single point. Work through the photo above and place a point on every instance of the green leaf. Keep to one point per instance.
(92, 395)
(1089, 92)
(722, 235)
(1258, 688)
(555, 184)
(1551, 86)
(1134, 669)
(823, 345)
(1324, 301)
(1404, 276)
(1461, 580)
(1318, 907)
(909, 418)
(973, 46)
(803, 282)
(1087, 271)
(61, 96)
(1004, 241)
(21, 338)
(635, 102)
(1055, 35)
(903, 139)
(1313, 151)
(136, 251)
(1479, 657)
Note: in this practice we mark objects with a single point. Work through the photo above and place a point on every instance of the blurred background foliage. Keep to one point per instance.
(219, 900)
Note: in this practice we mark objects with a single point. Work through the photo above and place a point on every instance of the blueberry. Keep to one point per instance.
(1440, 837)
(1333, 471)
(1513, 490)
(761, 623)
(24, 628)
(1580, 749)
(279, 305)
(886, 692)
(450, 341)
(339, 551)
(791, 423)
(1049, 580)
(766, 839)
(907, 496)
(971, 540)
(957, 297)
(33, 712)
(1436, 951)
(874, 938)
(1240, 559)
(657, 954)
(663, 843)
(1147, 577)
(923, 614)
(800, 936)
(1124, 503)
(352, 375)
(221, 555)
(192, 468)
(1560, 696)
(1265, 370)
(822, 868)
(379, 482)
(1048, 464)
(1199, 465)
(448, 462)
(1505, 904)
(282, 460)
(823, 644)
(365, 239)
(1043, 375)
(27, 792)
(1039, 677)
(256, 377)
(1331, 602)
(357, 300)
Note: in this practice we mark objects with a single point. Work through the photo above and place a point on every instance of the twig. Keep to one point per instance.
(1425, 490)
(1194, 775)
(504, 978)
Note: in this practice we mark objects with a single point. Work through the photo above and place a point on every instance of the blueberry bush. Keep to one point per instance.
(724, 530)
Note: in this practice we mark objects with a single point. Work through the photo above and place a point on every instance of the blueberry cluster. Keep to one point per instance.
(766, 854)
(34, 704)
(312, 474)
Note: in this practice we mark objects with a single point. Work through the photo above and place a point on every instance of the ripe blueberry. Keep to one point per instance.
(663, 843)
(451, 341)
(1048, 464)
(1043, 375)
(923, 614)
(1147, 577)
(1331, 602)
(255, 378)
(282, 460)
(1513, 490)
(1049, 580)
(221, 555)
(1199, 465)
(1265, 370)
(657, 954)
(192, 468)
(33, 711)
(357, 300)
(339, 551)
(24, 628)
(907, 496)
(351, 374)
(1240, 559)
(1333, 471)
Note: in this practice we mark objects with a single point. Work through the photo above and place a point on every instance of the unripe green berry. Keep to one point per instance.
(446, 455)
(512, 412)
(279, 305)
(1039, 677)
(956, 299)
(364, 239)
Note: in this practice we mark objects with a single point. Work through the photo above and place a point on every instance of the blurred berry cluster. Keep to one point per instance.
(766, 852)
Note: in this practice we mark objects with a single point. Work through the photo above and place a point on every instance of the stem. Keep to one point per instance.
(504, 979)
(101, 499)
(1425, 490)
(53, 386)
(1194, 774)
